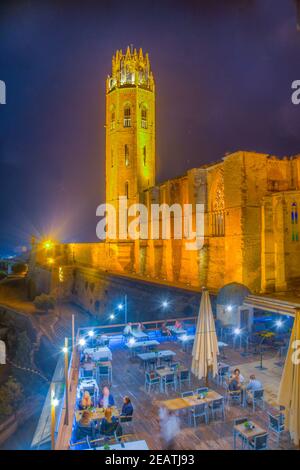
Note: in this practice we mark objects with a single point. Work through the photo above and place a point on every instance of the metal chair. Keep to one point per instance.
(187, 394)
(236, 423)
(151, 379)
(201, 390)
(217, 406)
(169, 380)
(184, 376)
(223, 373)
(259, 442)
(104, 371)
(200, 411)
(257, 396)
(276, 424)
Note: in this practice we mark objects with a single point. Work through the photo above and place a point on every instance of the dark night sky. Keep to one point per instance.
(223, 74)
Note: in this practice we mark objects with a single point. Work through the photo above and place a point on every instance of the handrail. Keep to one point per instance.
(122, 325)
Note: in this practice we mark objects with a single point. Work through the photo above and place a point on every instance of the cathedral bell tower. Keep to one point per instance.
(130, 127)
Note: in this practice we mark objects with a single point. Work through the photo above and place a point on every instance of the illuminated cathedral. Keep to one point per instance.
(251, 202)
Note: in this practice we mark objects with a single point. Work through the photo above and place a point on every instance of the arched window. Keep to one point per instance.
(145, 155)
(144, 117)
(113, 119)
(126, 155)
(294, 221)
(127, 116)
(126, 189)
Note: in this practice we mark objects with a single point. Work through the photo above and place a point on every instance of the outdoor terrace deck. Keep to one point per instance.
(128, 379)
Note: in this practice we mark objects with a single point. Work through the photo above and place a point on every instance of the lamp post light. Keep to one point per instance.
(54, 403)
(65, 351)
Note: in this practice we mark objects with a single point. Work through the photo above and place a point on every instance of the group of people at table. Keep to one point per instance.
(109, 423)
(237, 383)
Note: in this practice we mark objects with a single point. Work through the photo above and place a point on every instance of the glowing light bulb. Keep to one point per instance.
(112, 316)
(229, 308)
(237, 331)
(82, 341)
(165, 303)
(91, 333)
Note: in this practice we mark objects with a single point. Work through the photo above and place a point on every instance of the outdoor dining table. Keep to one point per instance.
(97, 413)
(246, 432)
(134, 445)
(176, 404)
(139, 335)
(99, 353)
(177, 331)
(168, 370)
(141, 345)
(144, 357)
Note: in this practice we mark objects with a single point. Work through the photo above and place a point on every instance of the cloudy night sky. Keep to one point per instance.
(223, 73)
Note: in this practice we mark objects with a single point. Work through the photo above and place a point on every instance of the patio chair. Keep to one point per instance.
(276, 424)
(184, 376)
(187, 394)
(223, 373)
(151, 363)
(166, 359)
(160, 367)
(257, 396)
(201, 390)
(236, 423)
(233, 397)
(259, 442)
(85, 431)
(217, 406)
(199, 411)
(104, 359)
(104, 371)
(151, 380)
(86, 374)
(169, 380)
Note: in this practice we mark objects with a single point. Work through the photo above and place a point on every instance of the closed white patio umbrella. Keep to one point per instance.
(205, 349)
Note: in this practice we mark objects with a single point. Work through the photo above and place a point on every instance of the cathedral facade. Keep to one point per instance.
(250, 201)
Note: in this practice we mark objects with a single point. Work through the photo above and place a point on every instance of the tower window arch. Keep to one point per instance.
(144, 117)
(145, 155)
(112, 118)
(294, 222)
(127, 116)
(126, 155)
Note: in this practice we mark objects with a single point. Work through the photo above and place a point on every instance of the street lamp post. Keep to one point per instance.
(66, 381)
(53, 404)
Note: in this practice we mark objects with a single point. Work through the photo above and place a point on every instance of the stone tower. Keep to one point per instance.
(130, 127)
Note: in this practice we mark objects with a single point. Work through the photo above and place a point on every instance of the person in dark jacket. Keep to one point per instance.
(127, 408)
(109, 424)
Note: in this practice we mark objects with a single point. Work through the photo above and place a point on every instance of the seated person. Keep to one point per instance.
(140, 327)
(127, 330)
(165, 330)
(109, 424)
(106, 399)
(178, 325)
(254, 384)
(238, 376)
(127, 408)
(86, 401)
(234, 385)
(85, 426)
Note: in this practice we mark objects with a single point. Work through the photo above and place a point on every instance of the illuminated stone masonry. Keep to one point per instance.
(251, 201)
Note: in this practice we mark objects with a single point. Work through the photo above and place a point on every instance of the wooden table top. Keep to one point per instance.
(153, 355)
(168, 370)
(98, 413)
(249, 433)
(188, 402)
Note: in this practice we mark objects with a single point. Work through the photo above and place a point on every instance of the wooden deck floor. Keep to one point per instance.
(128, 379)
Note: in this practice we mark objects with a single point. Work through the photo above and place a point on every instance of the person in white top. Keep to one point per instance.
(128, 329)
(238, 376)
